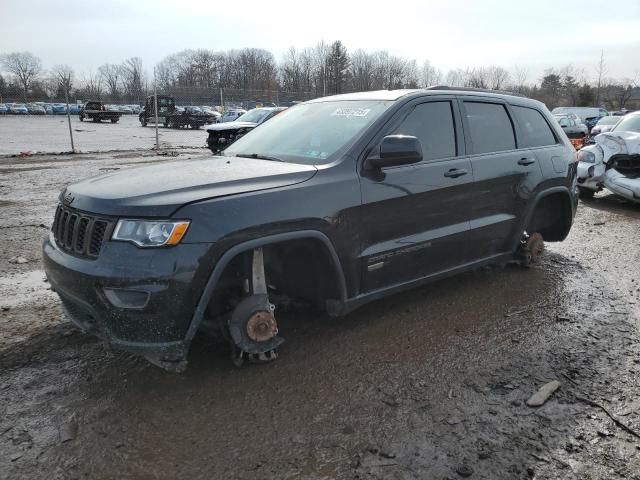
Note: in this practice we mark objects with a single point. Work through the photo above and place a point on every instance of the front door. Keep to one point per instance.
(416, 217)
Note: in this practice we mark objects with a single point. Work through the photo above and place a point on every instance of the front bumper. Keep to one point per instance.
(172, 279)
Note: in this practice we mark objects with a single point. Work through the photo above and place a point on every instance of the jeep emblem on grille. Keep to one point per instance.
(68, 198)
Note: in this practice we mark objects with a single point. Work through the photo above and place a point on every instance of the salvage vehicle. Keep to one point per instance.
(333, 203)
(97, 111)
(17, 108)
(605, 124)
(221, 135)
(576, 132)
(613, 162)
(232, 115)
(190, 117)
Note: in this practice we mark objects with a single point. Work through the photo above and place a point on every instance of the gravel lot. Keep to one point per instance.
(428, 384)
(50, 134)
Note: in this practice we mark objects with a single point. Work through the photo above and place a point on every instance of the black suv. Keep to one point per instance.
(334, 202)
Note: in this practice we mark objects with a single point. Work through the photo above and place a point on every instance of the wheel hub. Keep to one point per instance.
(262, 326)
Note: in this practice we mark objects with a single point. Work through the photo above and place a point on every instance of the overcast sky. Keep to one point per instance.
(534, 34)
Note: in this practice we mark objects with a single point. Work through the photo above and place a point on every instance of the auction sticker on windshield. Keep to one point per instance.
(351, 112)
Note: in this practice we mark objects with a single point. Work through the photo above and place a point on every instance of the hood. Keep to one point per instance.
(613, 143)
(159, 190)
(218, 127)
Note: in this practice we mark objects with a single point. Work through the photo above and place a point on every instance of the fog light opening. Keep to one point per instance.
(122, 298)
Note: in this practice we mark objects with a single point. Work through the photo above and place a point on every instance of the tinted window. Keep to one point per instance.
(490, 127)
(432, 124)
(534, 128)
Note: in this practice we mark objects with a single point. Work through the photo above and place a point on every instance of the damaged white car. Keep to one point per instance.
(613, 162)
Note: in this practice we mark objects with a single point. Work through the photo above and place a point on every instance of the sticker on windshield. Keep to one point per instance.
(351, 112)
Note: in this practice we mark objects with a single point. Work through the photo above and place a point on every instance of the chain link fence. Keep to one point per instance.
(32, 124)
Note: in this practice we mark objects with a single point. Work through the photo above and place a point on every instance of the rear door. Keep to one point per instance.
(416, 217)
(505, 174)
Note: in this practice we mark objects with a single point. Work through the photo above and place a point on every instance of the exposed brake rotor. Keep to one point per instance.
(531, 247)
(262, 326)
(254, 330)
(535, 246)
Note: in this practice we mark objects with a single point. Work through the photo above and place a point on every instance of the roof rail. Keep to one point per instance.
(468, 89)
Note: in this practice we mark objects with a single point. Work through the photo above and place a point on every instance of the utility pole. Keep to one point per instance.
(66, 96)
(155, 106)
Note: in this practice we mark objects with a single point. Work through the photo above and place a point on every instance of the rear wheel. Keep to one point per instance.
(114, 120)
(585, 193)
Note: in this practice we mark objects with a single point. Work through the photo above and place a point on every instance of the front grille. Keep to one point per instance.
(626, 164)
(80, 233)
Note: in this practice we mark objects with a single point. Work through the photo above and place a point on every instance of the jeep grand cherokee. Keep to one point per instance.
(334, 202)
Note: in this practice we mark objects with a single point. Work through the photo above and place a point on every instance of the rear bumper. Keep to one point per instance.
(156, 329)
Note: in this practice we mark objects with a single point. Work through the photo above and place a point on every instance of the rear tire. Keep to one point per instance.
(585, 193)
(114, 120)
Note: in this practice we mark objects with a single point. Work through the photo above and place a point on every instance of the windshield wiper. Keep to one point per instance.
(259, 157)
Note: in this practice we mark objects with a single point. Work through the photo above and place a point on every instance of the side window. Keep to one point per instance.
(432, 124)
(490, 127)
(534, 128)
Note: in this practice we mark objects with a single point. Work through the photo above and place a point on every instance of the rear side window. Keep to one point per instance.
(432, 124)
(490, 127)
(535, 130)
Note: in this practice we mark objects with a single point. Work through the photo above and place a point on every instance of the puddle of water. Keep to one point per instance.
(24, 288)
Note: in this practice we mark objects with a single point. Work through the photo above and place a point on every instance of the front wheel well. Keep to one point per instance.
(298, 272)
(551, 217)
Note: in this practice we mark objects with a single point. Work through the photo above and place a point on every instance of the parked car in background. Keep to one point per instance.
(211, 111)
(59, 109)
(35, 109)
(135, 109)
(583, 112)
(3, 109)
(577, 132)
(221, 135)
(605, 124)
(232, 115)
(613, 162)
(189, 117)
(18, 108)
(74, 108)
(48, 108)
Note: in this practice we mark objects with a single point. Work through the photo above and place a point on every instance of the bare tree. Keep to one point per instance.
(64, 75)
(111, 75)
(497, 77)
(601, 71)
(92, 86)
(133, 78)
(25, 66)
(430, 75)
(520, 77)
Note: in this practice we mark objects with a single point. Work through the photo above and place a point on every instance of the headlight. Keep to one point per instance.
(149, 233)
(586, 156)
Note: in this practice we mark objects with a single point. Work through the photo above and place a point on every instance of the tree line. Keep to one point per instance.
(324, 69)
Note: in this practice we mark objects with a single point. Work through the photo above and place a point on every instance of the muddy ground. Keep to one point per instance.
(429, 384)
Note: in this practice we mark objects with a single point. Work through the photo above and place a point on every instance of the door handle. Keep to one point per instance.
(526, 161)
(455, 172)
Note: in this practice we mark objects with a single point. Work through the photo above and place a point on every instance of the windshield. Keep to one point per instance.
(254, 116)
(629, 123)
(608, 120)
(310, 133)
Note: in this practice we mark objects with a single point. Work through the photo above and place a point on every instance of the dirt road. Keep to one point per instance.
(429, 384)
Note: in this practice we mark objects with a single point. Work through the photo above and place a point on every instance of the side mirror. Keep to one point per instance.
(397, 150)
